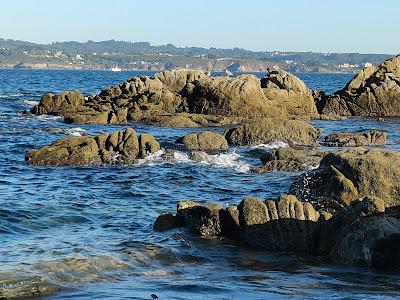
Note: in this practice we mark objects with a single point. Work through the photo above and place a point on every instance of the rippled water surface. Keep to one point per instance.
(86, 232)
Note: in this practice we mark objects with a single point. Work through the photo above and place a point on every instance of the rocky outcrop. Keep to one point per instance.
(361, 234)
(289, 92)
(204, 141)
(284, 224)
(363, 229)
(289, 159)
(120, 147)
(268, 130)
(172, 97)
(375, 91)
(235, 97)
(355, 139)
(346, 176)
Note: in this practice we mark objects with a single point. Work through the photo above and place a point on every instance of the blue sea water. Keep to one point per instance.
(89, 231)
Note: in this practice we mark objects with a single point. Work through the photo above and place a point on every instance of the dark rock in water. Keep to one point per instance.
(355, 139)
(186, 98)
(204, 141)
(165, 222)
(362, 235)
(375, 91)
(345, 176)
(202, 219)
(119, 147)
(289, 159)
(269, 130)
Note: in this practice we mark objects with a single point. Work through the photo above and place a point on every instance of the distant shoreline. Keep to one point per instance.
(156, 71)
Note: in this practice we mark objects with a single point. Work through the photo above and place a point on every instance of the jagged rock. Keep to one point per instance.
(289, 92)
(164, 98)
(55, 104)
(289, 159)
(235, 97)
(375, 91)
(118, 147)
(147, 145)
(345, 176)
(269, 130)
(204, 141)
(355, 139)
(359, 234)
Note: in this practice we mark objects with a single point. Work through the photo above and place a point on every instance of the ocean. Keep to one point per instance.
(87, 231)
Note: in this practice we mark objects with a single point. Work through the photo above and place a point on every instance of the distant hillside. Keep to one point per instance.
(143, 55)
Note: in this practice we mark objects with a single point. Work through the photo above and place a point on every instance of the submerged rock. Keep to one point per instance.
(204, 141)
(119, 147)
(24, 287)
(355, 139)
(269, 130)
(374, 91)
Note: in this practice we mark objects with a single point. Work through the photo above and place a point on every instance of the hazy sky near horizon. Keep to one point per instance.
(365, 26)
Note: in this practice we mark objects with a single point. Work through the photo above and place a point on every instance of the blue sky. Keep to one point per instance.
(365, 26)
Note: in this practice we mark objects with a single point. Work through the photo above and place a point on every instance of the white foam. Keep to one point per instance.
(228, 160)
(31, 102)
(77, 131)
(221, 160)
(181, 157)
(273, 145)
(48, 118)
(11, 95)
(153, 159)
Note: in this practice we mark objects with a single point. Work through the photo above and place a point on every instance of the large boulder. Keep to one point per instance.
(355, 139)
(375, 91)
(236, 97)
(284, 224)
(346, 176)
(56, 104)
(204, 141)
(268, 130)
(290, 92)
(362, 234)
(121, 147)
